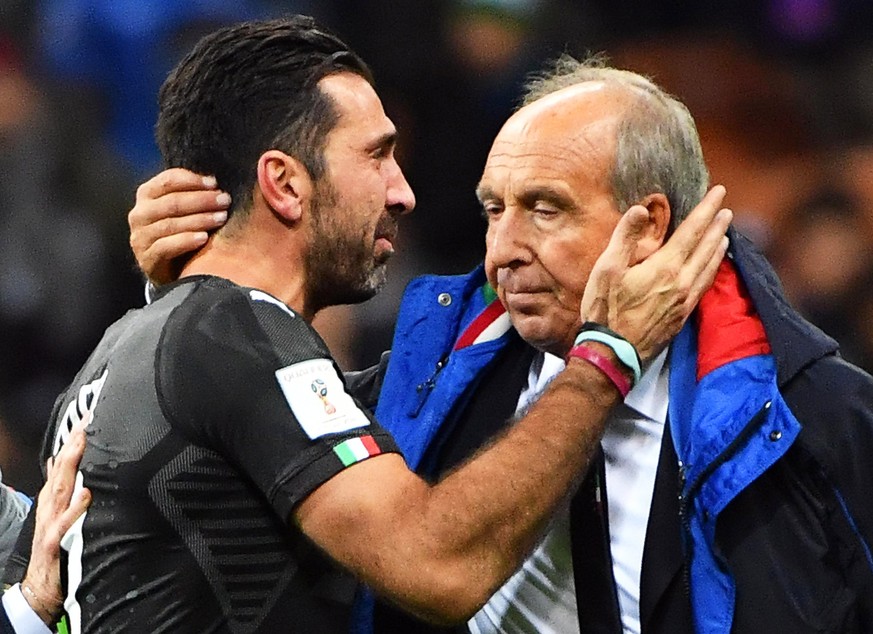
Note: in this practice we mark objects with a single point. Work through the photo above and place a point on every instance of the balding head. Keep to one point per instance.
(657, 148)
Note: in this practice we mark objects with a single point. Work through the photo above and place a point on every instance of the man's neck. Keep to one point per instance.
(267, 268)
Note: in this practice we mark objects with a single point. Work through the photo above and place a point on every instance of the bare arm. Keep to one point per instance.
(440, 551)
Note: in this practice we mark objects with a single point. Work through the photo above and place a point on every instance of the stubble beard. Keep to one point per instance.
(340, 265)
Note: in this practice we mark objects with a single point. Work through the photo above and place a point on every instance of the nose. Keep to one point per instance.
(400, 200)
(506, 242)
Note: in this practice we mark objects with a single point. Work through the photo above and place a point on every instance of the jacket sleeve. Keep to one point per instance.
(5, 625)
(13, 509)
(16, 615)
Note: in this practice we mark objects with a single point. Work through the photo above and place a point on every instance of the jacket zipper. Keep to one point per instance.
(685, 498)
(686, 532)
(425, 388)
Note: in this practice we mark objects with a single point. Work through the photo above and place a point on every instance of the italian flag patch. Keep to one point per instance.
(356, 449)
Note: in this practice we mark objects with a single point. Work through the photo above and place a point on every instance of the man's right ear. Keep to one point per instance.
(654, 233)
(285, 184)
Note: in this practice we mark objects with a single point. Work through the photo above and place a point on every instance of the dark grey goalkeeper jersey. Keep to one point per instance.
(215, 410)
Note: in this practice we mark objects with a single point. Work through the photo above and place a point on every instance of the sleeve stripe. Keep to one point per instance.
(356, 449)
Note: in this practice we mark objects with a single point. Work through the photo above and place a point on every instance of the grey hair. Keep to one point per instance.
(657, 145)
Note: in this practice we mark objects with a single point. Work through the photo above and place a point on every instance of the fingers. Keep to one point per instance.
(79, 503)
(156, 263)
(649, 302)
(690, 231)
(145, 238)
(704, 281)
(173, 215)
(174, 180)
(176, 204)
(697, 247)
(687, 280)
(623, 242)
(61, 473)
(58, 508)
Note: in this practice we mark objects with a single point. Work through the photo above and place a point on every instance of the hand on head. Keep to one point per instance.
(173, 215)
(649, 302)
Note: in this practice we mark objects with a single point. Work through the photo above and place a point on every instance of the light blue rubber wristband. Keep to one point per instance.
(622, 348)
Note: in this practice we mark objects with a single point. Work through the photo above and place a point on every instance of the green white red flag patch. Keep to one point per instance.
(356, 449)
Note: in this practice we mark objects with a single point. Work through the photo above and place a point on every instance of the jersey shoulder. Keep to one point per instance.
(219, 317)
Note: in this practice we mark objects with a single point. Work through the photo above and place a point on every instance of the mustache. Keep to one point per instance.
(387, 227)
(512, 281)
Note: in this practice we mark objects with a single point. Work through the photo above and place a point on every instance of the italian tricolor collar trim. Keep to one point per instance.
(492, 323)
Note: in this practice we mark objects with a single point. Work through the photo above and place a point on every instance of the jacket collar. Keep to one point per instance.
(796, 342)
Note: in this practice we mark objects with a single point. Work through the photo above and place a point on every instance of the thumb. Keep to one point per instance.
(612, 264)
(623, 243)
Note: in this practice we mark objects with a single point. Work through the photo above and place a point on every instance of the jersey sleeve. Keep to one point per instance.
(241, 374)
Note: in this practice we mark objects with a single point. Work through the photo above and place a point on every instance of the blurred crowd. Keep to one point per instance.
(782, 91)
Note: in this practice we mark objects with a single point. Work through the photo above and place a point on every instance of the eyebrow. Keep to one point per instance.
(387, 139)
(483, 192)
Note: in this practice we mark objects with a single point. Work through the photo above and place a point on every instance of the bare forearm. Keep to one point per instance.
(440, 551)
(480, 522)
(502, 500)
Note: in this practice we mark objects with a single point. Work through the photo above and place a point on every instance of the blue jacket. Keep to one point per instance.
(776, 464)
(426, 375)
(800, 408)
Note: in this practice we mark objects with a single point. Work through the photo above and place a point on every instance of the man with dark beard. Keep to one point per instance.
(347, 268)
(226, 456)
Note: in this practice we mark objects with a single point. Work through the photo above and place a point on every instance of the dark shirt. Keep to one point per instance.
(215, 411)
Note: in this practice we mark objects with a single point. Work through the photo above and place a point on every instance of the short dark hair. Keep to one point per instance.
(249, 88)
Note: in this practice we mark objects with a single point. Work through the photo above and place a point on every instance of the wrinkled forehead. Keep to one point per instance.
(537, 156)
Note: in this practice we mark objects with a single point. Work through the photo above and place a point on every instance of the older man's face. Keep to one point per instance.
(547, 197)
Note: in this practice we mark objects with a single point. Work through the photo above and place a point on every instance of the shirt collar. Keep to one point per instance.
(650, 396)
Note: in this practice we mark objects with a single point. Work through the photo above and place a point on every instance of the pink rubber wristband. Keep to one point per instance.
(602, 363)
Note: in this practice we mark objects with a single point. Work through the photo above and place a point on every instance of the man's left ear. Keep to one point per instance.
(655, 232)
(285, 184)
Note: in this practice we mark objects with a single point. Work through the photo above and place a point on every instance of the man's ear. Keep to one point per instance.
(655, 232)
(285, 184)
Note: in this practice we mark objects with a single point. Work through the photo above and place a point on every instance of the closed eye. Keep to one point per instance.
(546, 210)
(491, 209)
(545, 200)
(384, 146)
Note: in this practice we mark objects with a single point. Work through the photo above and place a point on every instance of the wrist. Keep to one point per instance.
(603, 358)
(623, 350)
(46, 605)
